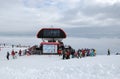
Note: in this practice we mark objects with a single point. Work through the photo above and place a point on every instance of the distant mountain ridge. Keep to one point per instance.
(94, 32)
(29, 33)
(82, 32)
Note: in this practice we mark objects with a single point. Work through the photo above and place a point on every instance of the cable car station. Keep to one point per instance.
(51, 41)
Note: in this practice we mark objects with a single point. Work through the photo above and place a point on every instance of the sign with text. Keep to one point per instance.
(49, 48)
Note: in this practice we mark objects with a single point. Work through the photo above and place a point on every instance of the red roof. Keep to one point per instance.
(49, 43)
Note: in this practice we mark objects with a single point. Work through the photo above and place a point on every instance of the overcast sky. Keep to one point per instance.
(31, 15)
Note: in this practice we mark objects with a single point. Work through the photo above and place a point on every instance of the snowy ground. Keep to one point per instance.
(53, 67)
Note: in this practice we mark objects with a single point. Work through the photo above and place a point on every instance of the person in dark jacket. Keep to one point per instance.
(108, 52)
(73, 52)
(20, 52)
(7, 56)
(64, 52)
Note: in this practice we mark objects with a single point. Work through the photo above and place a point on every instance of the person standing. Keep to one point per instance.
(108, 52)
(13, 54)
(4, 44)
(7, 56)
(12, 46)
(64, 54)
(20, 52)
(67, 54)
(59, 52)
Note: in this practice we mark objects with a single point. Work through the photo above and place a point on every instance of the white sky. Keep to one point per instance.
(28, 15)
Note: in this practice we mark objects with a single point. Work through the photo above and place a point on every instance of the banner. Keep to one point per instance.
(49, 48)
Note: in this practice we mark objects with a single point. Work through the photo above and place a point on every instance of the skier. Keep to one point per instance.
(108, 52)
(7, 56)
(64, 52)
(59, 52)
(72, 53)
(83, 52)
(67, 54)
(16, 54)
(13, 54)
(20, 52)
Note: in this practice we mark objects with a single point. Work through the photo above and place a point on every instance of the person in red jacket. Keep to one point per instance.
(67, 54)
(13, 54)
(59, 52)
(83, 52)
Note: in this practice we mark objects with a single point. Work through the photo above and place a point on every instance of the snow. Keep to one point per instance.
(53, 67)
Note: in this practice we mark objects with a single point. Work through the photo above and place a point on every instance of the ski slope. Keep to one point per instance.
(53, 67)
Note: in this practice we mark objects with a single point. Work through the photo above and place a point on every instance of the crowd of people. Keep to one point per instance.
(14, 54)
(66, 52)
(69, 52)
